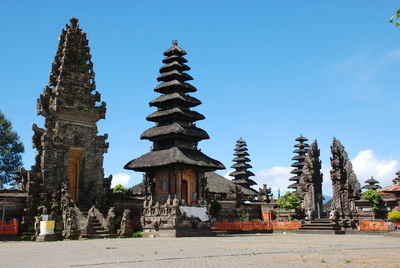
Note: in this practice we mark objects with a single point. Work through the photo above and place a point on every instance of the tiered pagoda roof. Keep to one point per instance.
(71, 93)
(241, 174)
(397, 179)
(301, 150)
(175, 135)
(371, 184)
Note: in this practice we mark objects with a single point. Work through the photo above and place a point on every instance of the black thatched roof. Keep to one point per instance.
(301, 139)
(246, 173)
(175, 114)
(219, 184)
(174, 65)
(174, 129)
(175, 98)
(174, 86)
(371, 181)
(171, 156)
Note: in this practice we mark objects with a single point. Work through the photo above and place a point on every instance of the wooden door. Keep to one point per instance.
(74, 160)
(185, 192)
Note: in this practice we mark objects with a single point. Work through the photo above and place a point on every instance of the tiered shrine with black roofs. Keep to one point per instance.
(301, 150)
(174, 168)
(242, 174)
(371, 184)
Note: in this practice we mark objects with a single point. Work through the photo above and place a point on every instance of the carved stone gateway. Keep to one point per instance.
(346, 188)
(310, 184)
(69, 151)
(175, 166)
(69, 148)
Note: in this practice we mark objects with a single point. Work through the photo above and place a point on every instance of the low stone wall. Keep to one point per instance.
(286, 225)
(378, 225)
(242, 226)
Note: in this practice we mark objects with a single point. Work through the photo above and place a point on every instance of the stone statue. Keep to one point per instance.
(111, 221)
(125, 228)
(71, 229)
(157, 211)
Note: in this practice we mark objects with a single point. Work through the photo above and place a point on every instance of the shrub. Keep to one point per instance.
(137, 234)
(394, 215)
(215, 208)
(373, 197)
(119, 189)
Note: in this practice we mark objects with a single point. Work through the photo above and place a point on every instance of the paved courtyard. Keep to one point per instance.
(267, 250)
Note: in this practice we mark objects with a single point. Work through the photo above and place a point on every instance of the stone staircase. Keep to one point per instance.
(95, 230)
(321, 226)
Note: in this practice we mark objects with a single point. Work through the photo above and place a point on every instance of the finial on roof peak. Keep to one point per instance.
(174, 42)
(74, 22)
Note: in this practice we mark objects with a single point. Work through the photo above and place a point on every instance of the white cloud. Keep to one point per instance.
(367, 164)
(276, 177)
(121, 178)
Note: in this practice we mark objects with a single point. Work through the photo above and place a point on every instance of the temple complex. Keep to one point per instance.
(300, 151)
(242, 174)
(345, 186)
(65, 191)
(174, 168)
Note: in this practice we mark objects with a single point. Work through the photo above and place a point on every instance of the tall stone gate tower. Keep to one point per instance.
(69, 151)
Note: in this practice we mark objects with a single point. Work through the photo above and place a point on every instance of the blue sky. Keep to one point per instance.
(265, 71)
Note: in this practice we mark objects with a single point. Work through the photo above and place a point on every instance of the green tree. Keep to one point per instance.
(374, 198)
(11, 150)
(396, 18)
(288, 201)
(119, 189)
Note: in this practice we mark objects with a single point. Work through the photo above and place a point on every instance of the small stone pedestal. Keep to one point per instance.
(46, 231)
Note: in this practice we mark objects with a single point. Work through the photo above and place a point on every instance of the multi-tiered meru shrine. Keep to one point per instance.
(242, 174)
(174, 168)
(301, 150)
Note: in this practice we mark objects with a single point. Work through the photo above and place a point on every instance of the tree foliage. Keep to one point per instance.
(288, 201)
(215, 208)
(11, 150)
(396, 18)
(373, 197)
(119, 189)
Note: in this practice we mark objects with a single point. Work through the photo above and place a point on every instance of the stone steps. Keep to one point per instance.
(319, 226)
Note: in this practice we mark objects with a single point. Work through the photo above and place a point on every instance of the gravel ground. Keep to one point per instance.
(266, 250)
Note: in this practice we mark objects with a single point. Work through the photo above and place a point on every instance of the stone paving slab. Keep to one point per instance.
(266, 250)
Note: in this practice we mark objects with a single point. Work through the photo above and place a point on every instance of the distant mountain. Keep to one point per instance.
(326, 199)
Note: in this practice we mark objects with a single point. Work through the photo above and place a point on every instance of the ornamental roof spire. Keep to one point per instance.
(71, 87)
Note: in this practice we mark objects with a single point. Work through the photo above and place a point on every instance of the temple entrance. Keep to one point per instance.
(185, 191)
(74, 160)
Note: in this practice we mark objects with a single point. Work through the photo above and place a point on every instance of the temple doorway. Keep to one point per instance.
(185, 191)
(74, 162)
